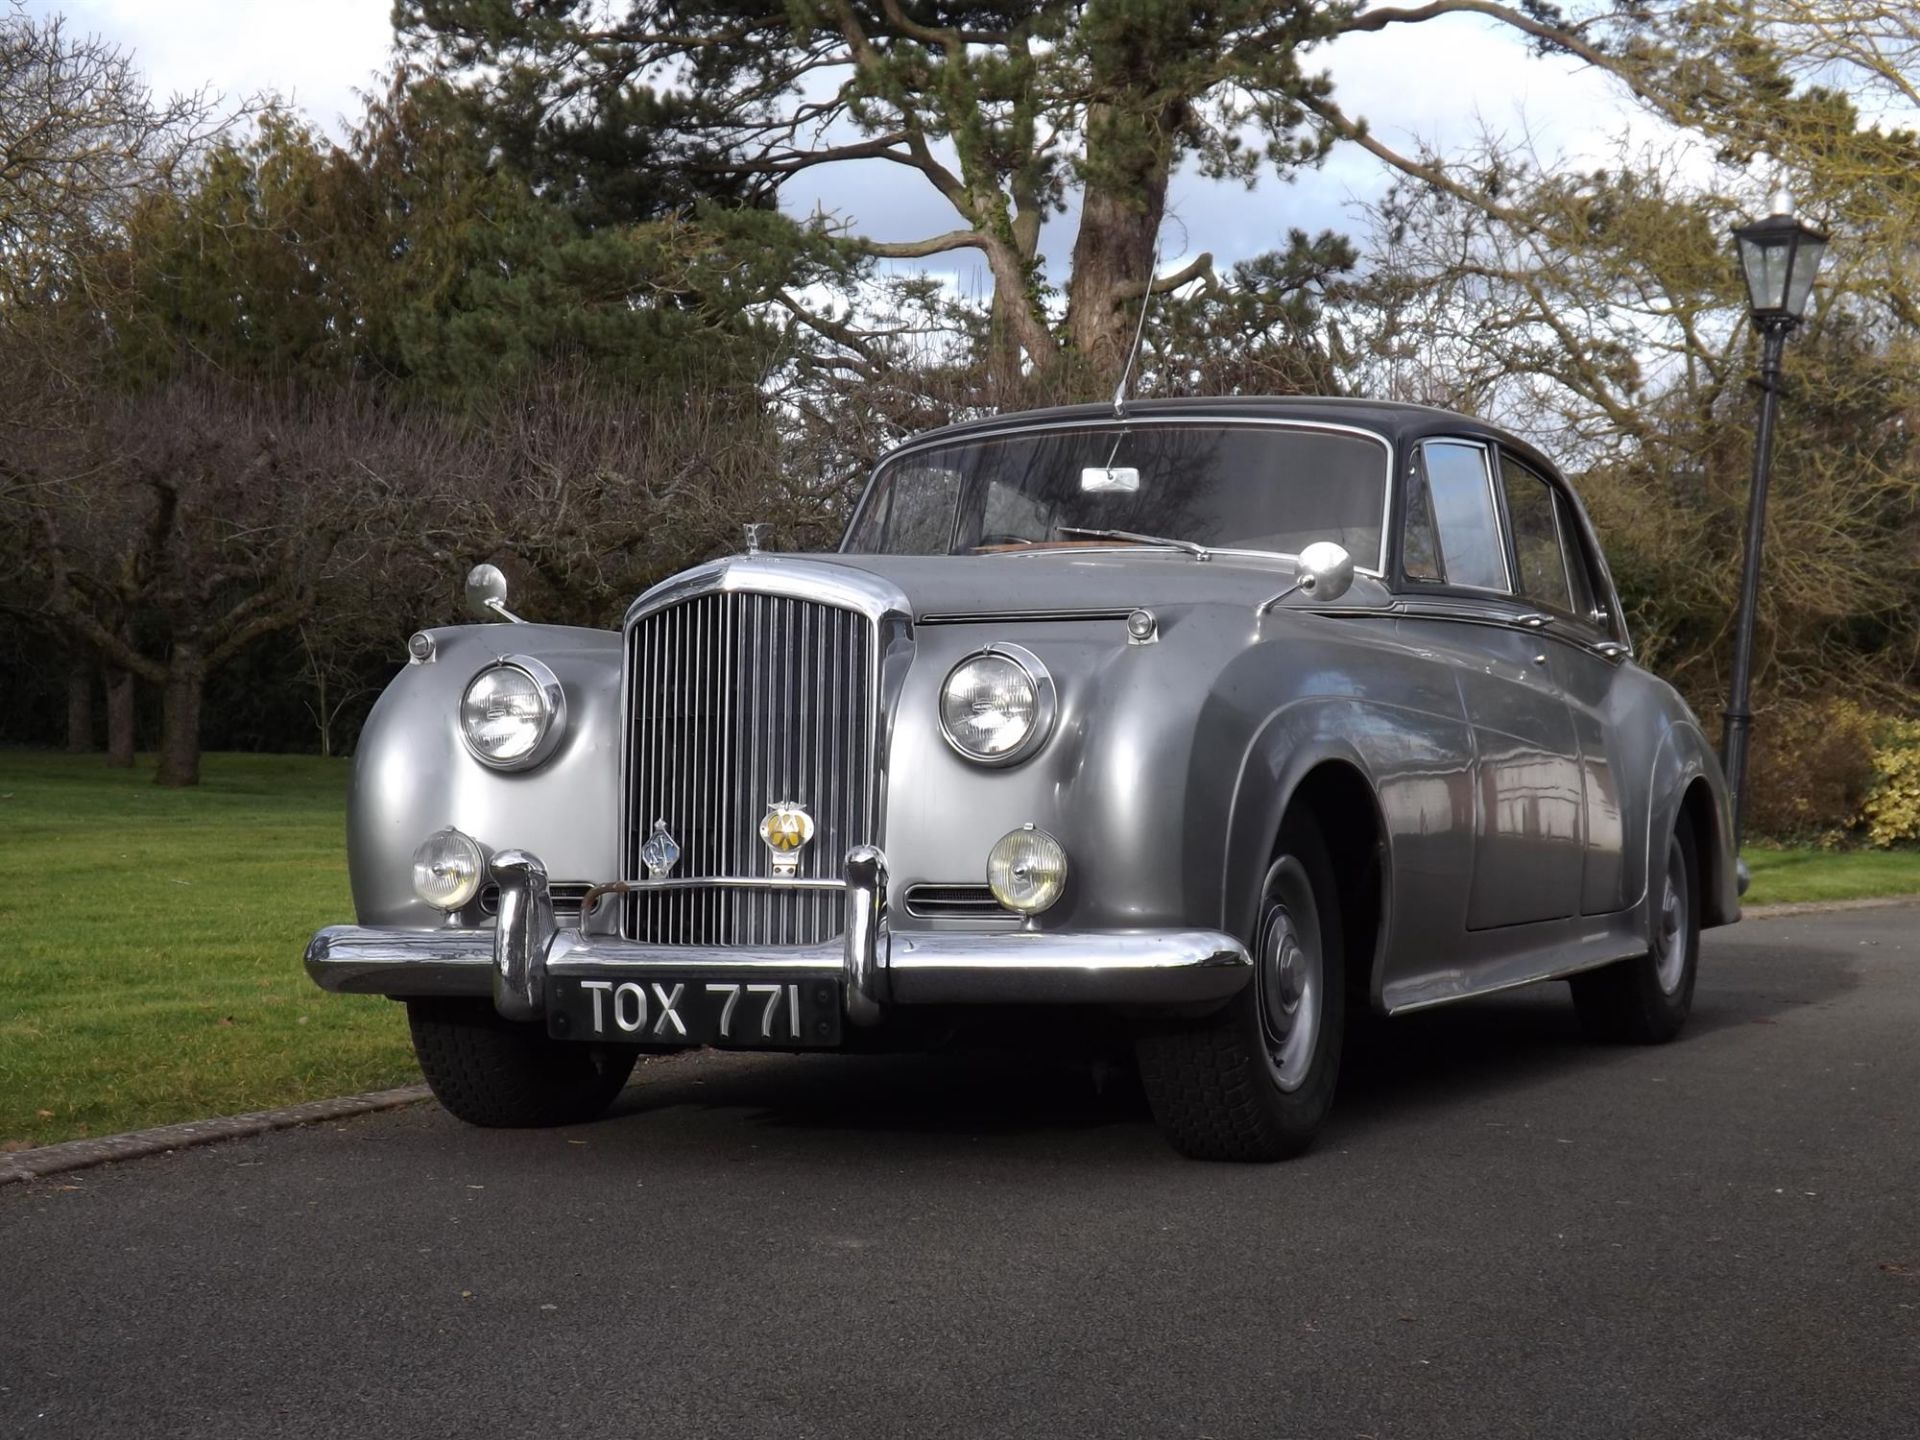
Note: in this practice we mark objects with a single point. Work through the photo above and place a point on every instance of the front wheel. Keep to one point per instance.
(1645, 1001)
(489, 1071)
(1254, 1080)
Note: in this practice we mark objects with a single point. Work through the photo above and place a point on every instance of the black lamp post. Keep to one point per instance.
(1779, 256)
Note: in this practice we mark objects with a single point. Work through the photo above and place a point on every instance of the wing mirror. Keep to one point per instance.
(1326, 570)
(487, 595)
(1325, 573)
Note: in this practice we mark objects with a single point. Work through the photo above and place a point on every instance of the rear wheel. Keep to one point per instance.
(1646, 1000)
(1254, 1080)
(489, 1071)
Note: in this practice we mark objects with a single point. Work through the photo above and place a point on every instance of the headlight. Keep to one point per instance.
(997, 705)
(513, 713)
(447, 868)
(1026, 870)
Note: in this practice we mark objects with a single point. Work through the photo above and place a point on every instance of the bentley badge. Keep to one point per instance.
(661, 852)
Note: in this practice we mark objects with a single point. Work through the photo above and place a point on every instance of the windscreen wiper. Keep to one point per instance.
(1135, 537)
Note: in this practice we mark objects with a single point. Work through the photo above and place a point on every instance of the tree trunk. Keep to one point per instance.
(120, 719)
(322, 714)
(180, 722)
(1120, 213)
(1015, 326)
(80, 705)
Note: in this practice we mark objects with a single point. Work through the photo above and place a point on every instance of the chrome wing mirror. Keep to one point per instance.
(487, 595)
(1325, 574)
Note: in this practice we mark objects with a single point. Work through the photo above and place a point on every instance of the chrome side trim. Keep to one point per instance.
(1465, 612)
(1425, 995)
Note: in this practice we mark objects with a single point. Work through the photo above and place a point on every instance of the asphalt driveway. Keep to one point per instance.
(1505, 1232)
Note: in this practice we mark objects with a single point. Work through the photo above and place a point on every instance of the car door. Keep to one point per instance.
(1555, 571)
(1528, 857)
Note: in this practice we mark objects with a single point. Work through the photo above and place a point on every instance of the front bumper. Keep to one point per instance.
(512, 961)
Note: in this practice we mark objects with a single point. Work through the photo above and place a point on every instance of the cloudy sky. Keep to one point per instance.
(1440, 82)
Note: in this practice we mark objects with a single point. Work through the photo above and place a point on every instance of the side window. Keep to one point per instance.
(1581, 570)
(1420, 550)
(1536, 538)
(1468, 530)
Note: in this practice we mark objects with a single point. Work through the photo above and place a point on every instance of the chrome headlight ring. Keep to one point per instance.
(553, 712)
(1045, 705)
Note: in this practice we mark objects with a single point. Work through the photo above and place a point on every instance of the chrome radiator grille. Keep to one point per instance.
(741, 701)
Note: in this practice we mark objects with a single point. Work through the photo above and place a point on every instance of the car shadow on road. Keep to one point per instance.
(1437, 1060)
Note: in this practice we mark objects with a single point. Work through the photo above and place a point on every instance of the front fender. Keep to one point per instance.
(1293, 743)
(413, 774)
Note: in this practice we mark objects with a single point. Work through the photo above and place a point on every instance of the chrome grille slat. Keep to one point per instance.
(740, 700)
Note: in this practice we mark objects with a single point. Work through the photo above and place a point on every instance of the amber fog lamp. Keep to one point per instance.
(447, 869)
(1027, 870)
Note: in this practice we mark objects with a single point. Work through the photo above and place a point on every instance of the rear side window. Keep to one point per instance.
(1459, 501)
(1537, 552)
(1586, 591)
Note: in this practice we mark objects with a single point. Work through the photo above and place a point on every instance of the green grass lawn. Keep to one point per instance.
(150, 945)
(1788, 875)
(150, 941)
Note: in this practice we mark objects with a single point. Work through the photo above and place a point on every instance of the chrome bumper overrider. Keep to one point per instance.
(512, 961)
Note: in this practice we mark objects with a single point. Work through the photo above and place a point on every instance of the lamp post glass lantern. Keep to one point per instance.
(1778, 256)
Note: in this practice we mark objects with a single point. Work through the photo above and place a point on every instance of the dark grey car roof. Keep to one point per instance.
(1396, 420)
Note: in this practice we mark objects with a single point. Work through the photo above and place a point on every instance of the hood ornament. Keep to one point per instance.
(786, 830)
(755, 532)
(661, 852)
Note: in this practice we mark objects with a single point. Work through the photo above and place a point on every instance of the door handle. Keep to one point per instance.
(1534, 621)
(1540, 659)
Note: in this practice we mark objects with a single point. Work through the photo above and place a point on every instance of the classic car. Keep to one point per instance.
(1201, 724)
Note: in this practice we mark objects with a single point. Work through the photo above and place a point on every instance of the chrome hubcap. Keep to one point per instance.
(1670, 943)
(1290, 985)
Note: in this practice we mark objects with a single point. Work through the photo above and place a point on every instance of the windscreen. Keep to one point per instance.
(1230, 487)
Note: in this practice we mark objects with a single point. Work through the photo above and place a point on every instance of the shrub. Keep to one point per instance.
(1811, 771)
(1891, 812)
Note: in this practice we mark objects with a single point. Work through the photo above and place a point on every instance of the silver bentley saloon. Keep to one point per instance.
(1196, 725)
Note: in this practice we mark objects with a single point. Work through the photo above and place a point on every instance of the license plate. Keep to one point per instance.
(739, 1012)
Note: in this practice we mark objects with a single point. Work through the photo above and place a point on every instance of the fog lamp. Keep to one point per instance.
(1027, 870)
(447, 869)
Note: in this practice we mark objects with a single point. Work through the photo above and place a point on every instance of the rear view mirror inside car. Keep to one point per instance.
(1121, 479)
